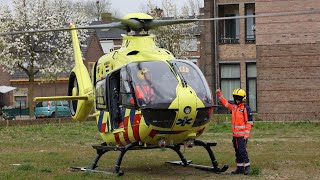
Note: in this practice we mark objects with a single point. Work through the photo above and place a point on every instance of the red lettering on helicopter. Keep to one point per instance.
(135, 127)
(125, 134)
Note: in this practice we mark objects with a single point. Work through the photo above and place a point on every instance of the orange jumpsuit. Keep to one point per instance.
(241, 127)
(144, 94)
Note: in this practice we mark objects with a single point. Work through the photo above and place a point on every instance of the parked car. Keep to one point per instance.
(49, 109)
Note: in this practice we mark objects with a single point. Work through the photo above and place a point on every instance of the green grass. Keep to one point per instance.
(277, 150)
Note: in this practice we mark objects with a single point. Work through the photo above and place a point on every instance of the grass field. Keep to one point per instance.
(276, 150)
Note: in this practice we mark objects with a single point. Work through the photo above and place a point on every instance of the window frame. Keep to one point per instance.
(231, 63)
(221, 29)
(247, 84)
(20, 93)
(247, 40)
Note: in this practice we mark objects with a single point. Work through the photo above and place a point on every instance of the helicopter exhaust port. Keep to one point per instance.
(189, 143)
(162, 143)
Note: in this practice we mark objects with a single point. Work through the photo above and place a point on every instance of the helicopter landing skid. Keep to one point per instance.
(213, 168)
(92, 170)
(103, 148)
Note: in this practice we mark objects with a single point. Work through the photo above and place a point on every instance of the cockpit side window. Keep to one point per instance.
(101, 95)
(126, 89)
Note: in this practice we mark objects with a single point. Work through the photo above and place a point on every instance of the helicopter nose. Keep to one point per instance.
(187, 107)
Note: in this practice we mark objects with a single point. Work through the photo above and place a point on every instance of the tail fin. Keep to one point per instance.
(79, 83)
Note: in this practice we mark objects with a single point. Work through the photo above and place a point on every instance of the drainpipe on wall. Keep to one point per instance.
(215, 50)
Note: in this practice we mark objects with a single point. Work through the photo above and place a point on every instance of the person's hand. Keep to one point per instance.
(218, 91)
(246, 137)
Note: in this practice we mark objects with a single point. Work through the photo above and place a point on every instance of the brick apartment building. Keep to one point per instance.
(275, 59)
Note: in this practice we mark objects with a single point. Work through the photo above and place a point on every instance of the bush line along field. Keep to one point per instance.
(277, 150)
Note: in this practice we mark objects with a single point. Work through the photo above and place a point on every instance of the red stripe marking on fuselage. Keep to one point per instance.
(117, 138)
(125, 133)
(135, 127)
(152, 133)
(199, 132)
(103, 128)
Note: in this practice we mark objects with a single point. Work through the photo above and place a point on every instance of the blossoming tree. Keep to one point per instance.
(38, 54)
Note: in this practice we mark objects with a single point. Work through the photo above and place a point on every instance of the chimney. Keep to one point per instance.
(106, 18)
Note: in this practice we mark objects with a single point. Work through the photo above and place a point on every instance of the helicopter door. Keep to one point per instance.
(113, 92)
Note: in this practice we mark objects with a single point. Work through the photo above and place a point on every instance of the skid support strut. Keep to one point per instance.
(207, 146)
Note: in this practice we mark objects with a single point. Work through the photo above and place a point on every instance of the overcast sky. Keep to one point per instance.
(127, 6)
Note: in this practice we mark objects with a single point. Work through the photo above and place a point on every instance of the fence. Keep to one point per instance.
(16, 112)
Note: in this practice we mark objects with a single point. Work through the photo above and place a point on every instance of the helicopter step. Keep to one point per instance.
(201, 167)
(213, 168)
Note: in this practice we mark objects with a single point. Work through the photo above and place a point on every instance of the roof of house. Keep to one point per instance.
(104, 34)
(108, 33)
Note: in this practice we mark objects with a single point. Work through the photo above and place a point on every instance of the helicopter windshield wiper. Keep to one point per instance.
(176, 69)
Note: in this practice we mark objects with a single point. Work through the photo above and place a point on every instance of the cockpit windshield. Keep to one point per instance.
(193, 77)
(153, 82)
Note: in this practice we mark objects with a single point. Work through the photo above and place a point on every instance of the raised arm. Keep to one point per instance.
(223, 100)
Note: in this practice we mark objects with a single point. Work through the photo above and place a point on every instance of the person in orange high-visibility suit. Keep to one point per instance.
(241, 126)
(144, 90)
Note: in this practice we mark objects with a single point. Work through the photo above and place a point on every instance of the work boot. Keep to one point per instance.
(237, 171)
(246, 170)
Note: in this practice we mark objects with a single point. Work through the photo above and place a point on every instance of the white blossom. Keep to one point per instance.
(44, 52)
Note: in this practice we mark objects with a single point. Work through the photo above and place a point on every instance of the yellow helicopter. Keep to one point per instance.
(143, 97)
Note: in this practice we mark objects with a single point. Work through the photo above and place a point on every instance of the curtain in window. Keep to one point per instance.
(227, 86)
(252, 83)
(252, 94)
(250, 22)
(230, 79)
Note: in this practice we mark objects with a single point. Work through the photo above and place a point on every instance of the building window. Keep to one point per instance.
(20, 98)
(20, 101)
(229, 29)
(250, 23)
(229, 79)
(189, 44)
(252, 86)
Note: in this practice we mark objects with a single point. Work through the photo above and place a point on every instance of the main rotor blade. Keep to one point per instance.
(157, 23)
(117, 25)
(314, 11)
(133, 24)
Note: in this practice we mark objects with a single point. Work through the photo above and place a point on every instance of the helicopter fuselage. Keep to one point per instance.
(179, 113)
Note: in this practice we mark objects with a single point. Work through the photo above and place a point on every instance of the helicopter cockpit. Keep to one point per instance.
(149, 82)
(148, 85)
(153, 84)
